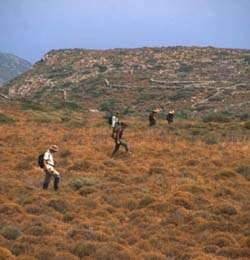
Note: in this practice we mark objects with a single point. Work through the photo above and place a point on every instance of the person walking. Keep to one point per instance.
(152, 118)
(49, 168)
(118, 138)
(170, 116)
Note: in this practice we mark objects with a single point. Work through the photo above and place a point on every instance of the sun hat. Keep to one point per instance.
(54, 148)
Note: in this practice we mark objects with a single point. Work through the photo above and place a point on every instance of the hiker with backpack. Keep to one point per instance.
(118, 138)
(170, 116)
(46, 161)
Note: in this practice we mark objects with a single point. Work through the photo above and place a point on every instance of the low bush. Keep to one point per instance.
(210, 139)
(181, 94)
(244, 170)
(84, 249)
(58, 205)
(29, 105)
(108, 105)
(222, 117)
(10, 232)
(19, 248)
(225, 174)
(45, 254)
(226, 209)
(67, 217)
(79, 183)
(247, 125)
(6, 119)
(157, 170)
(147, 200)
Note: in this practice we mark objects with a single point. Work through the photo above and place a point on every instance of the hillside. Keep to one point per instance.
(183, 193)
(11, 66)
(192, 80)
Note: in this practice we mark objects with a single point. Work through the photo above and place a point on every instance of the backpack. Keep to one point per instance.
(40, 160)
(110, 119)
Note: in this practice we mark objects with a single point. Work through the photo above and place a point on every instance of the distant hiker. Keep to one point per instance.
(170, 116)
(114, 123)
(152, 118)
(49, 168)
(118, 134)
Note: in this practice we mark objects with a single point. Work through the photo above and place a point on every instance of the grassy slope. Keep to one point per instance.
(180, 195)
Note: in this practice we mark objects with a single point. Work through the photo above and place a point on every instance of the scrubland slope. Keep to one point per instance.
(183, 193)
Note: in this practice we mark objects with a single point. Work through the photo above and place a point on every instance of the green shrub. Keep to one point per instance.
(222, 117)
(181, 94)
(67, 217)
(185, 68)
(29, 105)
(146, 201)
(247, 125)
(244, 170)
(58, 205)
(84, 249)
(184, 114)
(210, 139)
(19, 248)
(108, 105)
(10, 232)
(101, 68)
(5, 119)
(79, 183)
(247, 59)
(128, 111)
(70, 105)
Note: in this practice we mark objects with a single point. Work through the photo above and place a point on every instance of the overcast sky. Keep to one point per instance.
(30, 28)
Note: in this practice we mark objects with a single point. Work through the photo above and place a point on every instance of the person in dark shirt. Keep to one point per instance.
(152, 118)
(118, 138)
(170, 116)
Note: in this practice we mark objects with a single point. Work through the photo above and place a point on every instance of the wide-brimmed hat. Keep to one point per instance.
(54, 148)
(171, 112)
(156, 110)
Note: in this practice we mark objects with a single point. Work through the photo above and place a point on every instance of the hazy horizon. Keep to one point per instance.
(32, 28)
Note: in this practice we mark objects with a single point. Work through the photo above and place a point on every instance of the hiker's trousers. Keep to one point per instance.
(51, 172)
(117, 146)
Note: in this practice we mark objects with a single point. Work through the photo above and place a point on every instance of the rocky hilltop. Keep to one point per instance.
(190, 79)
(11, 66)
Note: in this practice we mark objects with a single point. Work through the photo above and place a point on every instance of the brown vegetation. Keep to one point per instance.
(174, 197)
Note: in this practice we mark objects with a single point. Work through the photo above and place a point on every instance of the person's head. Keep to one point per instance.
(117, 113)
(54, 148)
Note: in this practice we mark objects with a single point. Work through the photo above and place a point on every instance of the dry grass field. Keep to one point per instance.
(183, 192)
